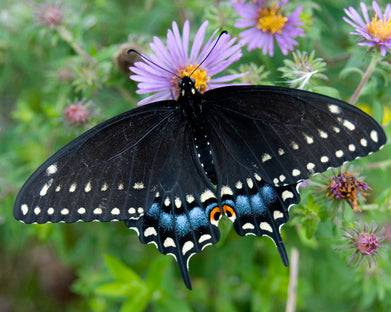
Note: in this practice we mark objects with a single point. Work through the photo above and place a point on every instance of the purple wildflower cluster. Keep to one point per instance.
(375, 31)
(365, 240)
(346, 186)
(266, 22)
(50, 14)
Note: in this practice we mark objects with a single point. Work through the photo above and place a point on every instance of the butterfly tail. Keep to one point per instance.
(260, 209)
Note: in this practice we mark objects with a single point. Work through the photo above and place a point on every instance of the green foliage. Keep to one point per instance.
(103, 267)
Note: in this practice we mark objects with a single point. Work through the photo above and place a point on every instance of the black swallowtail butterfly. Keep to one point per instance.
(170, 170)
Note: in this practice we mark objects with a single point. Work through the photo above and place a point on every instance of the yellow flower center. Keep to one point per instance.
(380, 29)
(200, 76)
(271, 20)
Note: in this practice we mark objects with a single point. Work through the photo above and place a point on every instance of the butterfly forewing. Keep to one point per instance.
(285, 135)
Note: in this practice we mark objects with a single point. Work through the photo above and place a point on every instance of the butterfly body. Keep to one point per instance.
(170, 170)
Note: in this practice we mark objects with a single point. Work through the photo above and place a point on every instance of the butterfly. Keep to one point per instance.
(172, 169)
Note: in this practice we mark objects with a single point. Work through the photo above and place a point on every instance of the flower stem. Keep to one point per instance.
(66, 35)
(365, 78)
(293, 278)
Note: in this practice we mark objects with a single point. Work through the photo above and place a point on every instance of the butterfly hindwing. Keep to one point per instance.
(257, 208)
(285, 135)
(180, 226)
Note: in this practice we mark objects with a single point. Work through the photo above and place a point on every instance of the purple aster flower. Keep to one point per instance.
(265, 22)
(177, 58)
(346, 186)
(365, 240)
(375, 31)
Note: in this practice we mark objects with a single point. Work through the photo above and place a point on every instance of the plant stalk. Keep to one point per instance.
(365, 78)
(293, 279)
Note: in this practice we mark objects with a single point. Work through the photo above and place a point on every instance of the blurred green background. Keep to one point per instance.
(103, 267)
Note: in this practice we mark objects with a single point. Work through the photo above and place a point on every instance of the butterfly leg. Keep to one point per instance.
(261, 210)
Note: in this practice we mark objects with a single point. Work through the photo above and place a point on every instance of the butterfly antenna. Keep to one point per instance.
(130, 51)
(224, 32)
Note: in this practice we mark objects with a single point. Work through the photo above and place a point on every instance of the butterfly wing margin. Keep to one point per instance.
(285, 135)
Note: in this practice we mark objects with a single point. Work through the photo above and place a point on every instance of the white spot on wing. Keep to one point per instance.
(104, 187)
(169, 242)
(187, 247)
(277, 214)
(178, 202)
(167, 202)
(120, 186)
(336, 130)
(282, 178)
(115, 211)
(37, 210)
(324, 159)
(50, 211)
(363, 142)
(87, 188)
(334, 109)
(132, 210)
(266, 227)
(190, 198)
(150, 232)
(286, 195)
(238, 185)
(25, 209)
(323, 134)
(339, 154)
(98, 211)
(204, 238)
(294, 145)
(347, 124)
(250, 183)
(46, 187)
(138, 185)
(225, 190)
(352, 147)
(248, 226)
(52, 169)
(257, 177)
(72, 188)
(266, 157)
(81, 210)
(208, 194)
(281, 152)
(296, 172)
(64, 211)
(374, 136)
(58, 188)
(310, 166)
(309, 140)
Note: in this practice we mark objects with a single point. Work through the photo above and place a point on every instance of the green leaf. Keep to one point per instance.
(137, 302)
(156, 272)
(117, 289)
(326, 91)
(120, 271)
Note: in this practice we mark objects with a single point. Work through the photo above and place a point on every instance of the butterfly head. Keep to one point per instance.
(187, 87)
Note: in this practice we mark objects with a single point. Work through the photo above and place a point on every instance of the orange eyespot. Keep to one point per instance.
(215, 215)
(229, 212)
